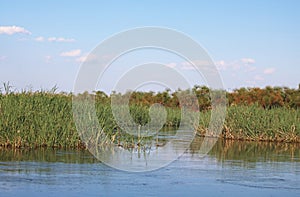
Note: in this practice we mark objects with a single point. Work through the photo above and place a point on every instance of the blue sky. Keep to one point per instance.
(253, 43)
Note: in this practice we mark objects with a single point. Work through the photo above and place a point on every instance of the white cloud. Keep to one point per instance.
(86, 58)
(39, 39)
(247, 60)
(240, 64)
(221, 65)
(60, 39)
(81, 58)
(269, 71)
(171, 65)
(54, 39)
(2, 58)
(224, 65)
(186, 66)
(73, 53)
(12, 30)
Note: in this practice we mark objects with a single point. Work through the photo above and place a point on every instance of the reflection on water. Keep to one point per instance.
(250, 151)
(239, 168)
(47, 155)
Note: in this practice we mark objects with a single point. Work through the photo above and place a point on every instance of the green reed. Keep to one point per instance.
(37, 119)
(256, 123)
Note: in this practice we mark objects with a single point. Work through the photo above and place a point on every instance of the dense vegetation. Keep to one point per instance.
(45, 118)
(268, 97)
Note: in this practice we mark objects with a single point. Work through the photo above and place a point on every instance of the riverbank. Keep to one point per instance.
(253, 123)
(45, 119)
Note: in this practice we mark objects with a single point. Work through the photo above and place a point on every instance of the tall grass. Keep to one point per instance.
(35, 119)
(255, 123)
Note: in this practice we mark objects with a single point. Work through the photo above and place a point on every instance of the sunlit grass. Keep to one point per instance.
(38, 119)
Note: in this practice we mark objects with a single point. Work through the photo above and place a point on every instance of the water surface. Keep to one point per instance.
(231, 168)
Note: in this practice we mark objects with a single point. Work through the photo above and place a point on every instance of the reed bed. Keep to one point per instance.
(254, 123)
(45, 119)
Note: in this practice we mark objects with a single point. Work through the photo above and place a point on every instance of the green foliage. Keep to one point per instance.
(41, 118)
(37, 119)
(255, 123)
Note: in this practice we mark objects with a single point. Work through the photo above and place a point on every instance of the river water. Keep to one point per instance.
(231, 168)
